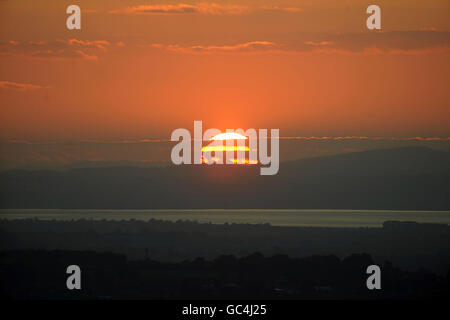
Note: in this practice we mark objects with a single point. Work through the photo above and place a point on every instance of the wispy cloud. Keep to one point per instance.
(99, 44)
(203, 8)
(251, 46)
(16, 86)
(155, 140)
(383, 43)
(70, 48)
(395, 42)
(199, 8)
(369, 138)
(318, 43)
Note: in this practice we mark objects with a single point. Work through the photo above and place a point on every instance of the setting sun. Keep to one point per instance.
(217, 146)
(229, 136)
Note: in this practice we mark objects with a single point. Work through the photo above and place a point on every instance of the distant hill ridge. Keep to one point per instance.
(415, 178)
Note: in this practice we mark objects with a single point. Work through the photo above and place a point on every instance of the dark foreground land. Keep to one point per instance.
(39, 274)
(188, 260)
(408, 245)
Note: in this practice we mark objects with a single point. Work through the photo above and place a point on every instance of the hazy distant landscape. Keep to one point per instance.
(410, 178)
(178, 232)
(279, 217)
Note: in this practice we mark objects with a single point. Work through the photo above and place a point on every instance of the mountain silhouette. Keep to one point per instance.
(414, 178)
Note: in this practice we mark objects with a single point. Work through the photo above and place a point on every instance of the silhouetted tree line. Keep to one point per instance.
(41, 274)
(408, 245)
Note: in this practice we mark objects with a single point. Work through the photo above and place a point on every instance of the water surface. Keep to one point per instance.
(276, 217)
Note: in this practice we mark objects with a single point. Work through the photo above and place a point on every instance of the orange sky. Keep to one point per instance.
(139, 69)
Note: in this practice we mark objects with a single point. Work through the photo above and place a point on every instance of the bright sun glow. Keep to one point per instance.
(229, 136)
(222, 148)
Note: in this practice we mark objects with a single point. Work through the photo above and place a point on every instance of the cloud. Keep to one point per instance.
(16, 86)
(99, 44)
(370, 138)
(203, 8)
(199, 8)
(395, 42)
(70, 48)
(159, 140)
(91, 141)
(318, 43)
(251, 46)
(282, 9)
(377, 43)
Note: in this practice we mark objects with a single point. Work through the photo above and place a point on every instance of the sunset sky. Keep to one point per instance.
(140, 69)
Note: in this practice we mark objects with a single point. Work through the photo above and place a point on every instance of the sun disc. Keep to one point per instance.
(229, 136)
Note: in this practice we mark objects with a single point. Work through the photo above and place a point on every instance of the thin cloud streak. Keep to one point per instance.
(329, 138)
(16, 86)
(167, 9)
(251, 46)
(58, 49)
(202, 8)
(370, 138)
(383, 43)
